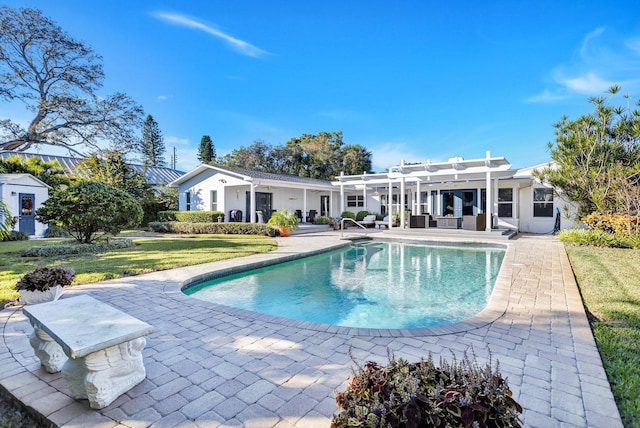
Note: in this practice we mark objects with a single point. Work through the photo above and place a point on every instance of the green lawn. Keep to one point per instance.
(148, 255)
(609, 281)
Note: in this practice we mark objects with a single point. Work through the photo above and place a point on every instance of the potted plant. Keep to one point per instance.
(44, 284)
(285, 221)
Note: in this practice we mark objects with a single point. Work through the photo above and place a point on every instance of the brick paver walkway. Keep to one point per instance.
(208, 365)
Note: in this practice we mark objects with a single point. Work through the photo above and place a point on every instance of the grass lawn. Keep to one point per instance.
(609, 281)
(149, 255)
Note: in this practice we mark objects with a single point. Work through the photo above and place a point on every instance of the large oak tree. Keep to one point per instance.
(58, 80)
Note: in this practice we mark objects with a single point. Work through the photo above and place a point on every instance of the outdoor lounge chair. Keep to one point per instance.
(369, 221)
(384, 222)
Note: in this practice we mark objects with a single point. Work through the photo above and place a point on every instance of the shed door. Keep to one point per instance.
(27, 223)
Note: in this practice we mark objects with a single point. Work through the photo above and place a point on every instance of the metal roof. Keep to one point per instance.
(156, 175)
(261, 175)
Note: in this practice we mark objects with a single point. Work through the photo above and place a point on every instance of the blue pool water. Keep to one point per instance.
(373, 285)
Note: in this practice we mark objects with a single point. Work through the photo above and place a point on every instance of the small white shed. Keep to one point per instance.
(24, 194)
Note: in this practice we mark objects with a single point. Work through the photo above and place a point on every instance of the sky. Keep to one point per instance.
(408, 80)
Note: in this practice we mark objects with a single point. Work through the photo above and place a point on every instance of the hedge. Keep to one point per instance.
(598, 238)
(212, 228)
(68, 249)
(190, 216)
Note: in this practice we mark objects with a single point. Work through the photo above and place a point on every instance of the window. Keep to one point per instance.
(542, 202)
(188, 198)
(355, 201)
(505, 202)
(214, 200)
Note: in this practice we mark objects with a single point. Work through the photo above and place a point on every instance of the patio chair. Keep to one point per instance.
(369, 221)
(312, 216)
(384, 222)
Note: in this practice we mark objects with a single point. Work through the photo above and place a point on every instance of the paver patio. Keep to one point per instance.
(209, 365)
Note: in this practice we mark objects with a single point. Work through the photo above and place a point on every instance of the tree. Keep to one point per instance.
(90, 210)
(6, 221)
(50, 172)
(597, 158)
(57, 78)
(206, 151)
(152, 145)
(257, 157)
(355, 159)
(321, 156)
(112, 169)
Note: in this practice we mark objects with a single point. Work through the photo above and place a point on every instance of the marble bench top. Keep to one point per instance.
(82, 325)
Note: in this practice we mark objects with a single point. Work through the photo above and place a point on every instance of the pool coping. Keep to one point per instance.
(495, 308)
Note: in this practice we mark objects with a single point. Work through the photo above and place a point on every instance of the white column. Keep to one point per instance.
(341, 198)
(516, 208)
(438, 208)
(364, 195)
(390, 203)
(304, 205)
(495, 198)
(331, 213)
(252, 203)
(402, 201)
(418, 209)
(489, 202)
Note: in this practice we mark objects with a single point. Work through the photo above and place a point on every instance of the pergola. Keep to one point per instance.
(488, 169)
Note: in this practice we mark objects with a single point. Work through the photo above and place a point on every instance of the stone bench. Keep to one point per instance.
(97, 347)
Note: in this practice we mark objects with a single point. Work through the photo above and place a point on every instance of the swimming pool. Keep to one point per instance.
(384, 285)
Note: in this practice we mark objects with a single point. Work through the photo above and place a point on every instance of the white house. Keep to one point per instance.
(237, 192)
(24, 194)
(437, 194)
(457, 190)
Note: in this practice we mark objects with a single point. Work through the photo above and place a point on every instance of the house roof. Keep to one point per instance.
(254, 176)
(10, 178)
(155, 175)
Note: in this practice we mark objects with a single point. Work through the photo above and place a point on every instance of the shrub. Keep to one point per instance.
(361, 215)
(41, 279)
(55, 232)
(284, 218)
(212, 228)
(167, 216)
(619, 224)
(421, 394)
(323, 219)
(65, 250)
(190, 216)
(348, 214)
(16, 235)
(598, 238)
(89, 210)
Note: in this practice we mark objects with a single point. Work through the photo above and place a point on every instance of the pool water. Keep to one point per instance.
(373, 285)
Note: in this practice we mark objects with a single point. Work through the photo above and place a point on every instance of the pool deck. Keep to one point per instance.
(210, 365)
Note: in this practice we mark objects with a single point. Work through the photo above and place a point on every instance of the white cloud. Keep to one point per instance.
(586, 41)
(588, 84)
(389, 154)
(545, 97)
(162, 97)
(602, 60)
(238, 45)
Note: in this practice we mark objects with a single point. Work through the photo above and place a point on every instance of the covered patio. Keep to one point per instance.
(477, 194)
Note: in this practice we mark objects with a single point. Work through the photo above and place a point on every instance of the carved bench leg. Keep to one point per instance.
(50, 354)
(103, 376)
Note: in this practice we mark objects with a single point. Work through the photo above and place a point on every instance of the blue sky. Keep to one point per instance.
(412, 80)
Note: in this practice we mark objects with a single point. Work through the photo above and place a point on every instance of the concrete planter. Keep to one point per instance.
(35, 297)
